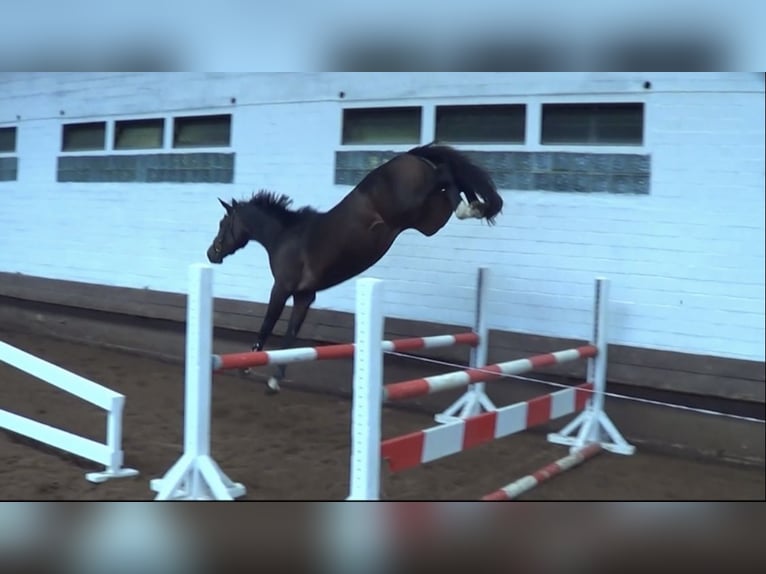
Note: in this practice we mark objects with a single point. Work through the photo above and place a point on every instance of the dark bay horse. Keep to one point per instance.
(310, 251)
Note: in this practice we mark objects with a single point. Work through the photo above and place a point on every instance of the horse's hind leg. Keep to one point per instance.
(445, 181)
(301, 303)
(472, 210)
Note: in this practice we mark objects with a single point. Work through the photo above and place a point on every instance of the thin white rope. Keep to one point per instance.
(608, 394)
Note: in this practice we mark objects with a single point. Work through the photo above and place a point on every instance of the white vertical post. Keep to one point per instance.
(589, 430)
(114, 443)
(593, 425)
(368, 391)
(474, 400)
(480, 352)
(599, 362)
(196, 475)
(199, 361)
(114, 429)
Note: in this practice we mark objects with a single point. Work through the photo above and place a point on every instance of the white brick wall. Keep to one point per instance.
(686, 261)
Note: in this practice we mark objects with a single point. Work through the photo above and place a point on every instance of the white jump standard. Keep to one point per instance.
(475, 399)
(196, 475)
(461, 433)
(594, 425)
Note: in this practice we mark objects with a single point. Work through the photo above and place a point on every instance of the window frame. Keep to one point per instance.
(173, 132)
(15, 139)
(115, 133)
(168, 119)
(523, 106)
(533, 105)
(599, 145)
(103, 148)
(421, 110)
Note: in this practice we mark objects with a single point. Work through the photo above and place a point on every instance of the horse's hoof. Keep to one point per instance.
(272, 387)
(477, 209)
(474, 210)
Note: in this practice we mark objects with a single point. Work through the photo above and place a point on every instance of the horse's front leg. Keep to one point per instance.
(277, 301)
(301, 303)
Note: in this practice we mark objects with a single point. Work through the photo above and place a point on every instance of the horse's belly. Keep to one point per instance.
(349, 263)
(343, 271)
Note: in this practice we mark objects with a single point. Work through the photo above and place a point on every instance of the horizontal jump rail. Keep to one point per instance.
(413, 449)
(109, 453)
(437, 383)
(56, 376)
(57, 438)
(330, 352)
(517, 488)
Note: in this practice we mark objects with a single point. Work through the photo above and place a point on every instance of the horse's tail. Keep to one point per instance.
(468, 176)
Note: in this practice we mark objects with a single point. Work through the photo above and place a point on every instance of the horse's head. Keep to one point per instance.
(232, 234)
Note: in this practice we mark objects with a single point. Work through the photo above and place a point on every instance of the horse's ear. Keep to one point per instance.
(225, 205)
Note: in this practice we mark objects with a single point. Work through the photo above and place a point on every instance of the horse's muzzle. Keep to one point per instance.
(213, 256)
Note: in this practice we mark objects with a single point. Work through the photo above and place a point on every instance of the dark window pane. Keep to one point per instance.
(480, 124)
(593, 124)
(84, 137)
(138, 134)
(381, 126)
(202, 131)
(7, 140)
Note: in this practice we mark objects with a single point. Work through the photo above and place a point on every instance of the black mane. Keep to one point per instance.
(276, 205)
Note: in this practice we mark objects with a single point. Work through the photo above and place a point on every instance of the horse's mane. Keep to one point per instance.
(276, 205)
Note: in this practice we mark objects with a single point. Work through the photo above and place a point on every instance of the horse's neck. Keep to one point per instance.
(265, 229)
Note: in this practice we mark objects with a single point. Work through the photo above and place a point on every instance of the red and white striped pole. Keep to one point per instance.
(423, 446)
(526, 483)
(429, 385)
(330, 352)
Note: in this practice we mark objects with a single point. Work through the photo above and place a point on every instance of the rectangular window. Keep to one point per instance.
(593, 124)
(381, 125)
(7, 140)
(202, 131)
(138, 134)
(491, 124)
(84, 137)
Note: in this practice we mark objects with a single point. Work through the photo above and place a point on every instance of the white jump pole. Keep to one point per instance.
(196, 476)
(593, 424)
(368, 391)
(475, 398)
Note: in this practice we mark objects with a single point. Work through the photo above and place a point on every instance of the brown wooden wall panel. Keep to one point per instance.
(673, 371)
